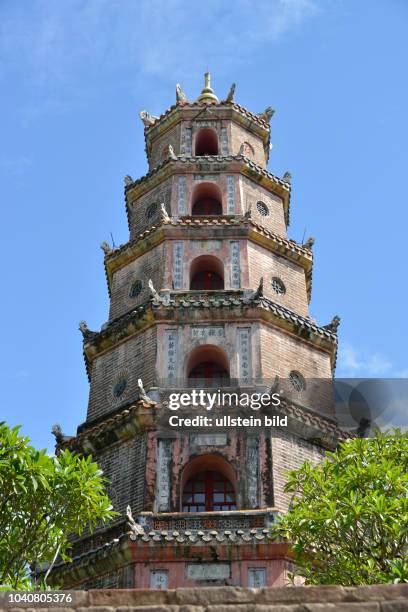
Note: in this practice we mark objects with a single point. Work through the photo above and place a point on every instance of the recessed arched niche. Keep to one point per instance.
(206, 142)
(207, 366)
(207, 200)
(206, 274)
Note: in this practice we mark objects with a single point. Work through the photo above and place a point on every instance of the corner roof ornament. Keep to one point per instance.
(207, 95)
(181, 97)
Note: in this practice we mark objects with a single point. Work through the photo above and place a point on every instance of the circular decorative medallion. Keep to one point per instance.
(151, 211)
(136, 289)
(278, 286)
(297, 380)
(262, 208)
(119, 387)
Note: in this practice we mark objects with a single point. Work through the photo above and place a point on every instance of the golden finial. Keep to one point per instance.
(207, 95)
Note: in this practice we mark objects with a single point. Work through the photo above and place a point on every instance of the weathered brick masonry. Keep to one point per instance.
(208, 292)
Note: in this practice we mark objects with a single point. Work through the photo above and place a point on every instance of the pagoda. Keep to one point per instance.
(208, 292)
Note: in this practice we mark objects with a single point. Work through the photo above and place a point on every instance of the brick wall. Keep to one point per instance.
(289, 453)
(238, 136)
(139, 218)
(282, 352)
(150, 265)
(159, 151)
(124, 465)
(262, 262)
(133, 359)
(251, 194)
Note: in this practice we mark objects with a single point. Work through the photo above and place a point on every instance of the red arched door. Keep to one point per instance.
(209, 372)
(207, 492)
(207, 206)
(206, 281)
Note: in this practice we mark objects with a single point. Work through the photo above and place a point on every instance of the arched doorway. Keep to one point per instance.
(207, 366)
(206, 142)
(206, 274)
(207, 200)
(208, 485)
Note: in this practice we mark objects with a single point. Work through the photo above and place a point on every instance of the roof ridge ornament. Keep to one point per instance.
(309, 243)
(260, 290)
(142, 393)
(85, 331)
(230, 96)
(267, 114)
(207, 95)
(106, 247)
(135, 528)
(333, 325)
(171, 152)
(147, 118)
(164, 214)
(181, 97)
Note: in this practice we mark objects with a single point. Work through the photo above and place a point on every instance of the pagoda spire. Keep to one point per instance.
(207, 95)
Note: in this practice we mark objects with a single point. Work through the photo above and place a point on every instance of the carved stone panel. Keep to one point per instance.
(186, 140)
(208, 439)
(208, 123)
(207, 332)
(170, 354)
(244, 354)
(224, 141)
(163, 475)
(230, 195)
(178, 257)
(208, 571)
(206, 177)
(235, 265)
(206, 245)
(252, 467)
(182, 209)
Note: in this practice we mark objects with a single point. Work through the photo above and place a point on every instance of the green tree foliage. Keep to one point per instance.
(348, 520)
(42, 501)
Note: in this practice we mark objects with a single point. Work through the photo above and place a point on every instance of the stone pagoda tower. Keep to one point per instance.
(207, 292)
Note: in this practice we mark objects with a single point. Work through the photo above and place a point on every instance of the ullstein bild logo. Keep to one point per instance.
(228, 421)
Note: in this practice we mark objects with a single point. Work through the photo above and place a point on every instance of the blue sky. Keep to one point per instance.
(74, 76)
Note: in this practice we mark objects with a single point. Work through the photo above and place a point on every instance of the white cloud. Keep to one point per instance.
(352, 362)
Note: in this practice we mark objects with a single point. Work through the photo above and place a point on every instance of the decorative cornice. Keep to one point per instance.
(129, 422)
(246, 167)
(329, 432)
(193, 106)
(231, 304)
(155, 546)
(205, 537)
(241, 225)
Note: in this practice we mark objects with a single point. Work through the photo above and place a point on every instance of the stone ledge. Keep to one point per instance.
(376, 598)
